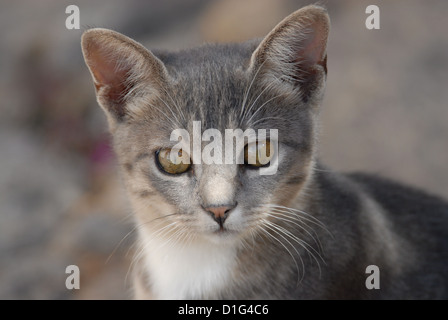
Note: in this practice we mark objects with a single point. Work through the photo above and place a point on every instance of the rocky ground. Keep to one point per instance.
(61, 199)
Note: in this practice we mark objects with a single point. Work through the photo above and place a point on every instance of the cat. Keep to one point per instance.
(225, 231)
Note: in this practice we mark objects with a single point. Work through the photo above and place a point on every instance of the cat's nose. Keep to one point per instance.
(220, 213)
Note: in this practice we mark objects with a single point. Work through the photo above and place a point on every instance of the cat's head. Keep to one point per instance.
(275, 84)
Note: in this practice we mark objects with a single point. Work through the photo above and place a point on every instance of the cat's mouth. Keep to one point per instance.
(223, 232)
(224, 235)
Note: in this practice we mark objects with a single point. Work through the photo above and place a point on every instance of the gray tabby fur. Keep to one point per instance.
(327, 227)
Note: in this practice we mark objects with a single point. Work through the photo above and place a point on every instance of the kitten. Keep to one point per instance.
(225, 230)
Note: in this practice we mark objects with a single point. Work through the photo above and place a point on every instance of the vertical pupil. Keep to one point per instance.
(179, 153)
(267, 148)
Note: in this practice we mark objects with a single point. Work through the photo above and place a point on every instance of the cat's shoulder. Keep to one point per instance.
(397, 195)
(413, 212)
(402, 202)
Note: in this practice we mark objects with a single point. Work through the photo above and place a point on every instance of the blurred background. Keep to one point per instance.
(61, 198)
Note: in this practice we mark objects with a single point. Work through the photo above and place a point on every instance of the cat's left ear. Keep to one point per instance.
(293, 55)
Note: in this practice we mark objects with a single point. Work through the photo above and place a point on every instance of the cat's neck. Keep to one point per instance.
(188, 270)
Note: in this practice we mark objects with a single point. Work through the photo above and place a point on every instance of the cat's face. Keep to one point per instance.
(196, 192)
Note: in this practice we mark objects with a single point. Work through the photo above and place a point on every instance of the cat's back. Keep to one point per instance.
(376, 221)
(413, 212)
(421, 220)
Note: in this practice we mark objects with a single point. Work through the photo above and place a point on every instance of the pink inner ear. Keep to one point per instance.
(107, 74)
(313, 50)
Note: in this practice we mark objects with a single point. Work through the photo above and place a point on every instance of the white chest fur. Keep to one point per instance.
(181, 271)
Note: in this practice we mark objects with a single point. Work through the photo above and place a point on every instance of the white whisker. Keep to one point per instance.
(246, 94)
(174, 120)
(302, 214)
(309, 249)
(176, 106)
(283, 217)
(135, 228)
(247, 111)
(268, 225)
(261, 107)
(270, 118)
(160, 233)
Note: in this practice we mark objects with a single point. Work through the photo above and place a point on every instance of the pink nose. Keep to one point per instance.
(220, 214)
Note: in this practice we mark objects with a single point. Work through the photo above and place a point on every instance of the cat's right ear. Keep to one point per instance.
(293, 57)
(126, 75)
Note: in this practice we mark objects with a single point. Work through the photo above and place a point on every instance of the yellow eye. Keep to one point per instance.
(173, 161)
(258, 154)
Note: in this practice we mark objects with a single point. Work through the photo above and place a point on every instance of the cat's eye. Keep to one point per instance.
(258, 154)
(173, 161)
